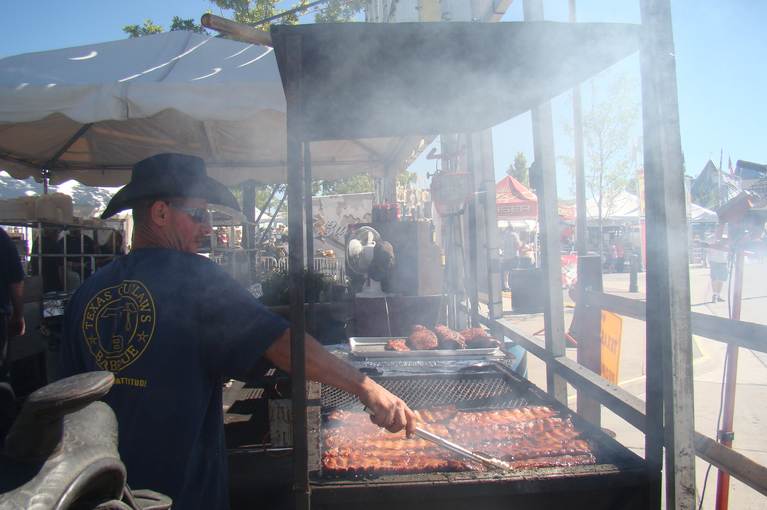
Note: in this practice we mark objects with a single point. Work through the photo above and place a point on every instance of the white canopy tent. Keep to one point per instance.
(96, 110)
(625, 207)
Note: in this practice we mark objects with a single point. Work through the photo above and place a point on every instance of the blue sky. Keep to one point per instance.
(720, 49)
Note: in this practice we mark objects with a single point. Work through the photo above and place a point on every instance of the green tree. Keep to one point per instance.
(186, 24)
(148, 28)
(611, 146)
(519, 169)
(251, 12)
(360, 183)
(339, 10)
(406, 178)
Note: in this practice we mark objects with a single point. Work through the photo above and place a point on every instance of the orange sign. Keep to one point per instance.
(611, 332)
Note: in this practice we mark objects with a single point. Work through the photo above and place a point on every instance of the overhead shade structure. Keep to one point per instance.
(514, 201)
(119, 102)
(392, 79)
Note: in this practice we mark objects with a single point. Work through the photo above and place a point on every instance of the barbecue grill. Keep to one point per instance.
(617, 480)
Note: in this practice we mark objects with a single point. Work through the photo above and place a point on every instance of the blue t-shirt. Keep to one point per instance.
(171, 326)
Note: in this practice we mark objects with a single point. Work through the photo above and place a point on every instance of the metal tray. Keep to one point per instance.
(375, 347)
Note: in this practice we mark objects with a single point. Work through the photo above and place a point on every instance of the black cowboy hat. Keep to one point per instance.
(170, 175)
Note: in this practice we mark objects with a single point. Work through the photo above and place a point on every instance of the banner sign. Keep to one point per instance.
(611, 333)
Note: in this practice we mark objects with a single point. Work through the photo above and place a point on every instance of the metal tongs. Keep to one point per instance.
(490, 462)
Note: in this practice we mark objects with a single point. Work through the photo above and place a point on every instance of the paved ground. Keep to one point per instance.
(750, 410)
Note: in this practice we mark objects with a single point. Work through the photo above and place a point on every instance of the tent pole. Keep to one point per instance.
(308, 207)
(271, 221)
(266, 205)
(47, 168)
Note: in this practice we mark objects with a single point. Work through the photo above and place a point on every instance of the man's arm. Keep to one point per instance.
(389, 411)
(16, 326)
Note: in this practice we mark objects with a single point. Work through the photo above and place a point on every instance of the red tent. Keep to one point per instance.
(514, 201)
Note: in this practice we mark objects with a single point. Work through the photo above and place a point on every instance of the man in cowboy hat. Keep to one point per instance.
(172, 326)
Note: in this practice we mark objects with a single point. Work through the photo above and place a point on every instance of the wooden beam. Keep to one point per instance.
(236, 31)
(747, 335)
(741, 333)
(669, 383)
(633, 409)
(615, 398)
(736, 464)
(628, 307)
(482, 163)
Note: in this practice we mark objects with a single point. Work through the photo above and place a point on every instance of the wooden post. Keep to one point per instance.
(482, 163)
(296, 269)
(669, 342)
(589, 324)
(581, 229)
(548, 214)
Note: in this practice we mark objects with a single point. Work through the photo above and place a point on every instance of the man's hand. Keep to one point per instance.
(387, 410)
(16, 325)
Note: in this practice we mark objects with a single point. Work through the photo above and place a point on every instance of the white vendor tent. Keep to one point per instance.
(700, 214)
(95, 110)
(625, 207)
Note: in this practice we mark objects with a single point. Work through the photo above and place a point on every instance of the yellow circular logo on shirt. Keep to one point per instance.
(118, 324)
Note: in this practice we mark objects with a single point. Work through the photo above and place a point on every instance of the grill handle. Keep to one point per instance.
(460, 450)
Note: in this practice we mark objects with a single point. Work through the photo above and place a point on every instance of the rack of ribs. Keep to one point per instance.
(528, 437)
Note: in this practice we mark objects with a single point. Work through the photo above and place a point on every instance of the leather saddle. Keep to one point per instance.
(61, 452)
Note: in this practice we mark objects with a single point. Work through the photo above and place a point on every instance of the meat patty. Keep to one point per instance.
(397, 344)
(422, 338)
(448, 338)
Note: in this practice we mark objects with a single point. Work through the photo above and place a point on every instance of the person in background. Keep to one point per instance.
(173, 326)
(11, 299)
(620, 256)
(612, 257)
(511, 246)
(717, 254)
(51, 265)
(80, 251)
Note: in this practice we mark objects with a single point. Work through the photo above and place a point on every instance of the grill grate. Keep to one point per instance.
(477, 391)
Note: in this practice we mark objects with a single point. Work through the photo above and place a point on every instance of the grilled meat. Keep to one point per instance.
(397, 344)
(527, 437)
(448, 338)
(422, 338)
(478, 338)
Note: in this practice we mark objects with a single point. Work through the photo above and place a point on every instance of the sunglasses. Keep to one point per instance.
(197, 214)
